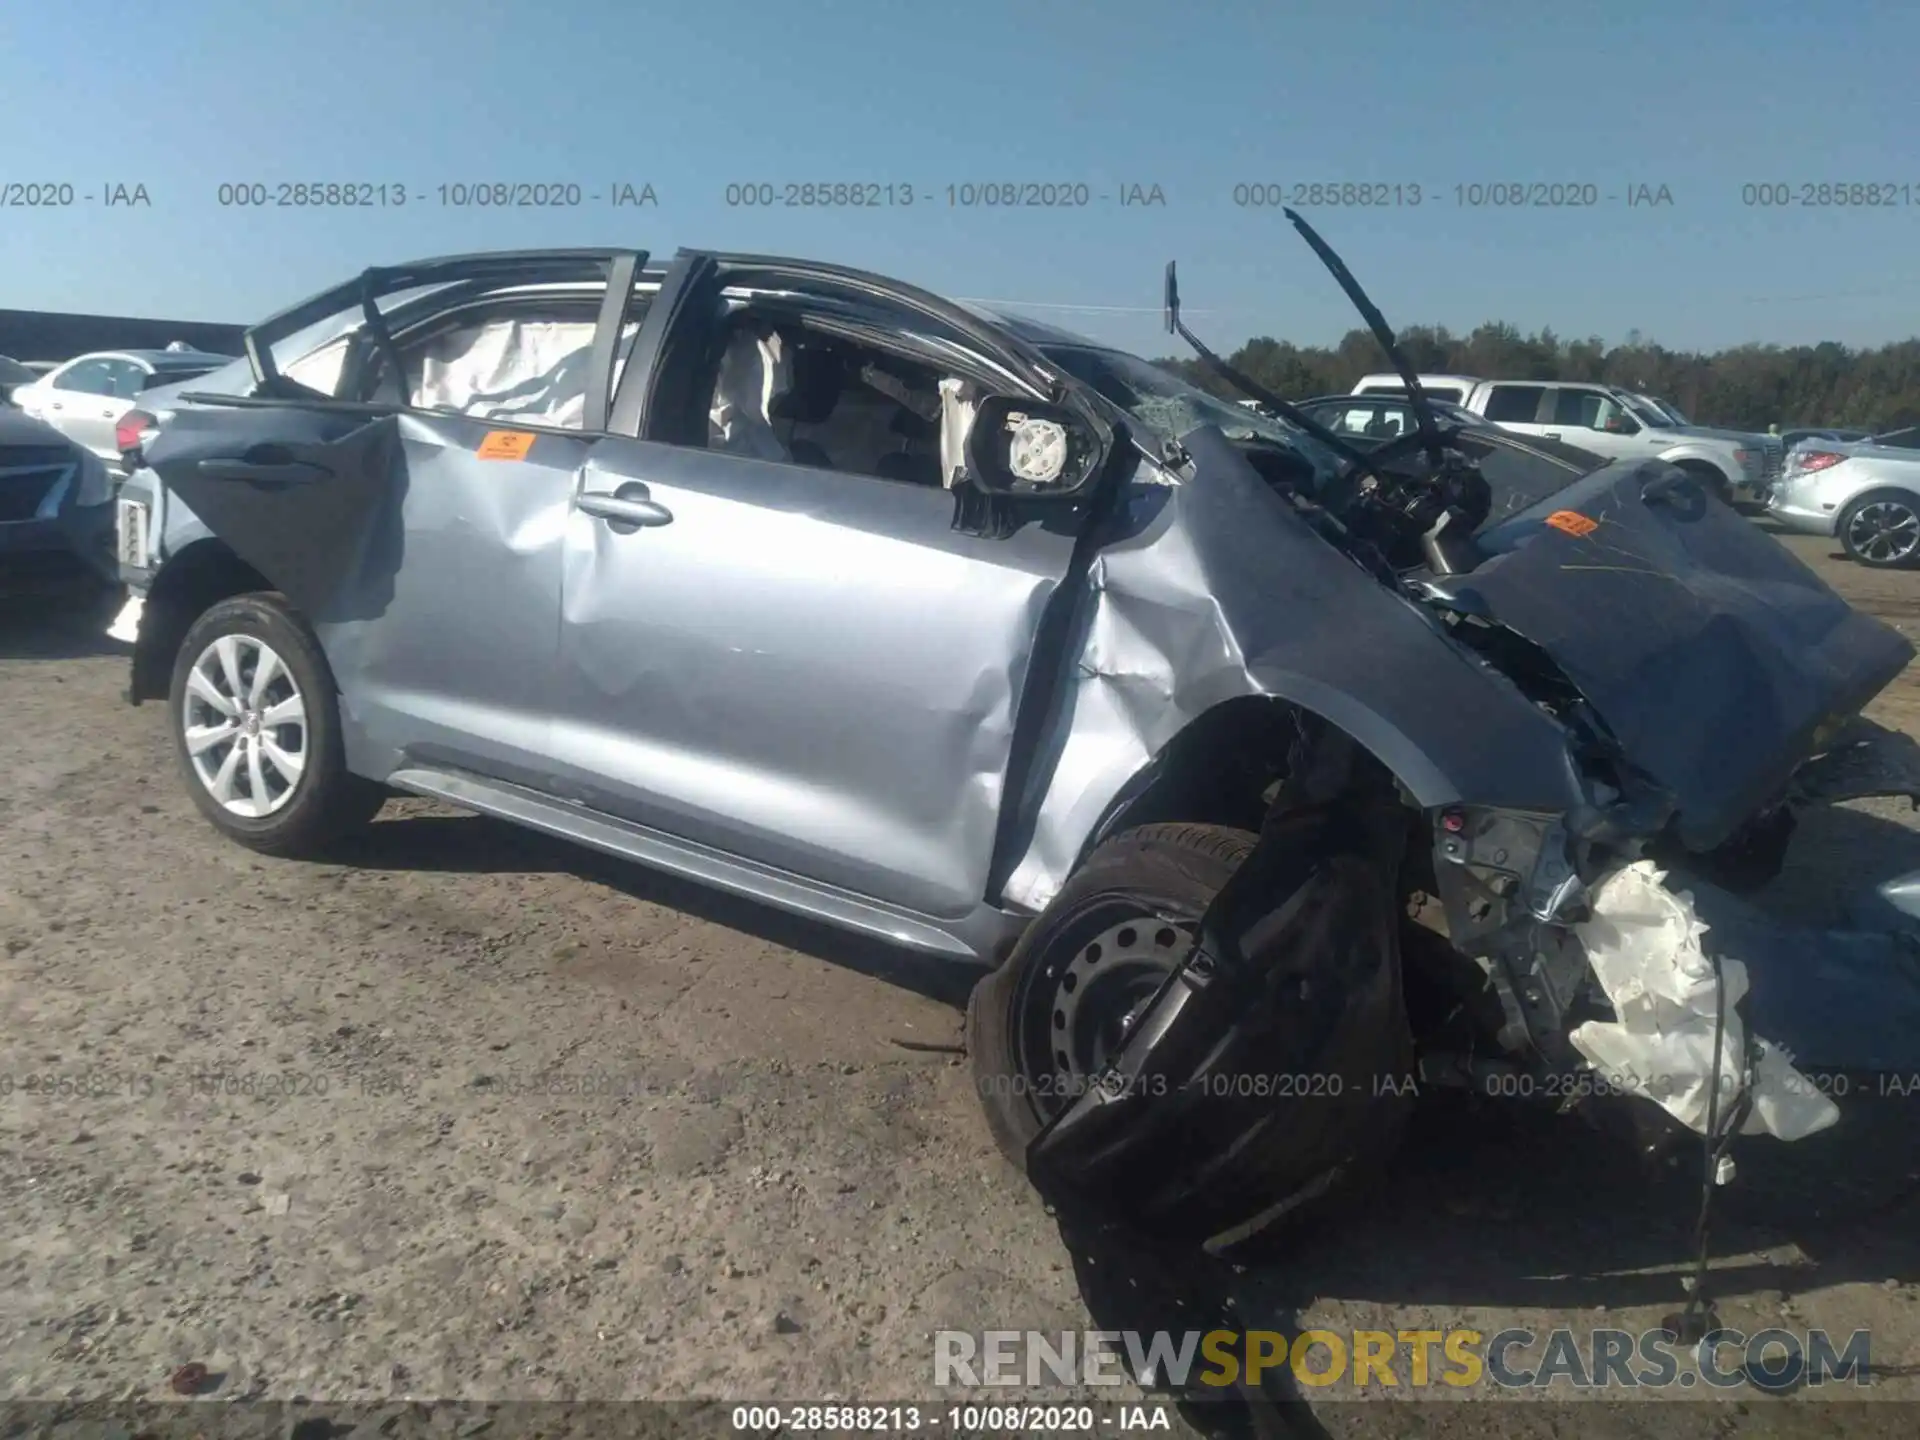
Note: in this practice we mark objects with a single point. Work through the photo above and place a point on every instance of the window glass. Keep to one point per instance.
(1372, 422)
(89, 377)
(788, 395)
(1586, 409)
(128, 379)
(1514, 404)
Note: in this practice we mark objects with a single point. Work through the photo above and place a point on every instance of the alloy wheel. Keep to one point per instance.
(1884, 532)
(244, 723)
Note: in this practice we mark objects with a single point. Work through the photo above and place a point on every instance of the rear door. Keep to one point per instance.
(1522, 408)
(785, 653)
(424, 544)
(1587, 416)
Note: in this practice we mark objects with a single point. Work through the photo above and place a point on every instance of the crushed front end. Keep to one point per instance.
(1697, 687)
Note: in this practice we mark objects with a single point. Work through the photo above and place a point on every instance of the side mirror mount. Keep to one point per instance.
(1032, 451)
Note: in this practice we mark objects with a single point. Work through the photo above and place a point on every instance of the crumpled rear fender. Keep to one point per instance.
(1216, 589)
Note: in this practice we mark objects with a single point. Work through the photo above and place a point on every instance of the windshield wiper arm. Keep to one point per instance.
(1250, 387)
(1423, 415)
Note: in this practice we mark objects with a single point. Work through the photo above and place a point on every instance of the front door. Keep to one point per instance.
(773, 639)
(798, 666)
(1592, 419)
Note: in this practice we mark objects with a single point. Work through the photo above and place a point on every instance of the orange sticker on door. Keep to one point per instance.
(1573, 522)
(506, 445)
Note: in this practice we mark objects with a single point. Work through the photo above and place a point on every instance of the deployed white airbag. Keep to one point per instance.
(1643, 943)
(957, 409)
(526, 369)
(755, 371)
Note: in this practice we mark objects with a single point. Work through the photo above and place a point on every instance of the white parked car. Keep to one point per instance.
(86, 398)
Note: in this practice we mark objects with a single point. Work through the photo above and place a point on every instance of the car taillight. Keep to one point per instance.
(133, 425)
(1810, 460)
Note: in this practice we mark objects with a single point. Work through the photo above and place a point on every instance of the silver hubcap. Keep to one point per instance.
(1106, 985)
(245, 726)
(1884, 531)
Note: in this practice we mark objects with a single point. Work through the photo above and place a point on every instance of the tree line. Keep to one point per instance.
(1748, 387)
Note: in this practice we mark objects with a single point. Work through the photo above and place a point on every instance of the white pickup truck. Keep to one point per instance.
(1608, 421)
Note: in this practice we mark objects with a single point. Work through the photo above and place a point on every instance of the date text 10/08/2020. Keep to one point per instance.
(460, 195)
(1558, 1087)
(969, 195)
(1466, 195)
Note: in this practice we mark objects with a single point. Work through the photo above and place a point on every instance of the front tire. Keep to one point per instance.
(256, 729)
(1881, 530)
(1715, 480)
(1222, 1160)
(1151, 874)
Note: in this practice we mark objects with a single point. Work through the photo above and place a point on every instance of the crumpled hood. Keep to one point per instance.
(1716, 659)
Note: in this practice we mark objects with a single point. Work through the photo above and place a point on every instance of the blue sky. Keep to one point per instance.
(1195, 97)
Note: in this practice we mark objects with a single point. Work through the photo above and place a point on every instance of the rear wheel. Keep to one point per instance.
(256, 728)
(1881, 529)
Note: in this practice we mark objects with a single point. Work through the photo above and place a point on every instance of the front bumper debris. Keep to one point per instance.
(1678, 1016)
(1687, 968)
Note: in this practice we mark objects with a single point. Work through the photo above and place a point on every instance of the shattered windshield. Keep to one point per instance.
(1170, 407)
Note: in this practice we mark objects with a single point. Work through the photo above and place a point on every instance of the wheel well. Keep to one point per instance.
(1707, 469)
(1881, 492)
(1220, 770)
(1224, 769)
(199, 577)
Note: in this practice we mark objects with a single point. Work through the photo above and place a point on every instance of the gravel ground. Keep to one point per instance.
(479, 1115)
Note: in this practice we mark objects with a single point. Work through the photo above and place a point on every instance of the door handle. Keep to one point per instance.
(1550, 435)
(263, 471)
(625, 509)
(57, 405)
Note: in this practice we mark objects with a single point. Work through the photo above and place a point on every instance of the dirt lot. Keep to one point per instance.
(562, 1128)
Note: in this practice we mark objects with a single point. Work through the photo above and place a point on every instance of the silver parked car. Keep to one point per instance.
(1801, 434)
(86, 398)
(1865, 493)
(1015, 649)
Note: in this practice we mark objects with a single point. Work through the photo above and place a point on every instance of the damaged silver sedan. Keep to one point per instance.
(1266, 774)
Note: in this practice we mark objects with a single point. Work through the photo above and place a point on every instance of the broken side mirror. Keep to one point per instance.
(1031, 450)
